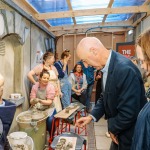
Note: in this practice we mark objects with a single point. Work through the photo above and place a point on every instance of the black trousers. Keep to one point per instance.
(113, 146)
(81, 98)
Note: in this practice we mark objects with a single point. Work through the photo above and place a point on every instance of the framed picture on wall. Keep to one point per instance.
(127, 49)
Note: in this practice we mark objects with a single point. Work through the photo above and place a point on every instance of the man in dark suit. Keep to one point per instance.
(123, 91)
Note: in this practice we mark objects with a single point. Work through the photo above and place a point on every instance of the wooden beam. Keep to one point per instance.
(74, 48)
(35, 12)
(90, 25)
(70, 8)
(109, 6)
(63, 43)
(92, 12)
(30, 10)
(139, 20)
(145, 3)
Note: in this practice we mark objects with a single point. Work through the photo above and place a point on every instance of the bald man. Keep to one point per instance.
(123, 93)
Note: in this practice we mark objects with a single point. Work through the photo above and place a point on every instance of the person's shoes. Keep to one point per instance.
(107, 134)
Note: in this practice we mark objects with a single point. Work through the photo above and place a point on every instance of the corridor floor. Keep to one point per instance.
(102, 142)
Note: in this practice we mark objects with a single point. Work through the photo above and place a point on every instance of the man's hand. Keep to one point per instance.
(83, 121)
(98, 77)
(114, 138)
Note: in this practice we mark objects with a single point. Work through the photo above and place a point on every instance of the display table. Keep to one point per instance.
(62, 124)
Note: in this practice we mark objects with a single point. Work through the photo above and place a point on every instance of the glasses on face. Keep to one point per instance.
(141, 62)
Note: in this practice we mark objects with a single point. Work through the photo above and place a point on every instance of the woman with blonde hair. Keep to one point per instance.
(48, 61)
(141, 138)
(143, 42)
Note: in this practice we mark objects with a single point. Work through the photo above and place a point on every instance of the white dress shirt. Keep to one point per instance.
(104, 77)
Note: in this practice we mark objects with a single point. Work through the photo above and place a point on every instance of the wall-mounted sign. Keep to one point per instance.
(127, 49)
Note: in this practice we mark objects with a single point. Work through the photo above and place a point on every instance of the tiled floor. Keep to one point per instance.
(102, 142)
(100, 127)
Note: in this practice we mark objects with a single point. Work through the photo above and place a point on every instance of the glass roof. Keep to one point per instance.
(43, 6)
(89, 4)
(122, 3)
(89, 19)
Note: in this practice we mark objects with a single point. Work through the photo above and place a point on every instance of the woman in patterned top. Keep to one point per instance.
(79, 84)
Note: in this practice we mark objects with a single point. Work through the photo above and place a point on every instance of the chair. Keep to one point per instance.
(59, 125)
(79, 144)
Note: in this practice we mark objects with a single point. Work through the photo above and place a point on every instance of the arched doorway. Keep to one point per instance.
(11, 62)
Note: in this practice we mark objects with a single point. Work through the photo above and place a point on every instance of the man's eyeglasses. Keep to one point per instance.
(141, 62)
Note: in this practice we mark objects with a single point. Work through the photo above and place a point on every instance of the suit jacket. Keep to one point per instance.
(123, 98)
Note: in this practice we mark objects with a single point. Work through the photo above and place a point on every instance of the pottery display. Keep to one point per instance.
(15, 96)
(33, 122)
(17, 138)
(20, 141)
